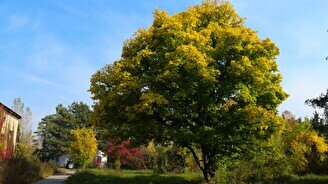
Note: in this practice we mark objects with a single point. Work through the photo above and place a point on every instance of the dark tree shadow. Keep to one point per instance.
(92, 178)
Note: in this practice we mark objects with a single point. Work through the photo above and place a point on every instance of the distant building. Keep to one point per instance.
(8, 130)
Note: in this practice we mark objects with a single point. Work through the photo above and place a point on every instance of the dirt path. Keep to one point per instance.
(54, 179)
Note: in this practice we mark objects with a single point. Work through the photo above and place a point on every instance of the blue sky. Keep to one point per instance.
(49, 49)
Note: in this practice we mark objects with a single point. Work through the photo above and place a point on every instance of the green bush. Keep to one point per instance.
(21, 170)
(267, 164)
(24, 167)
(246, 171)
(167, 159)
(47, 169)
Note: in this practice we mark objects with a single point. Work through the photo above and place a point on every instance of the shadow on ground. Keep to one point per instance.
(94, 178)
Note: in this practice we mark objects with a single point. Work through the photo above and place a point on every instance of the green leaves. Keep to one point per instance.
(199, 77)
(54, 130)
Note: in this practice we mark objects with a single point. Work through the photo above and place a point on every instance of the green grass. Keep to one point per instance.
(307, 179)
(97, 176)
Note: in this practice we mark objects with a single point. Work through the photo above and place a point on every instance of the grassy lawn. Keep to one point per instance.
(308, 179)
(97, 176)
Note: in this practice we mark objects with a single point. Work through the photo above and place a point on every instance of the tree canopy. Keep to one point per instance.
(319, 102)
(199, 79)
(54, 130)
(320, 122)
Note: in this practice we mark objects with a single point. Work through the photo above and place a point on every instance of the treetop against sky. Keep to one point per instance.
(50, 49)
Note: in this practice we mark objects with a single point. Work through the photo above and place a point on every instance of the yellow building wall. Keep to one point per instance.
(10, 124)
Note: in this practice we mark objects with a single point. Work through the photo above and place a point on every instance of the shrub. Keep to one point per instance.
(21, 170)
(123, 154)
(24, 167)
(47, 169)
(168, 158)
(305, 148)
(265, 164)
(250, 171)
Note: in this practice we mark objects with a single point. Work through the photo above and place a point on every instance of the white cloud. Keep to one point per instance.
(60, 65)
(44, 81)
(19, 22)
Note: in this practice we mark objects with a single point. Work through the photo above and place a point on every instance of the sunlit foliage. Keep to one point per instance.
(199, 78)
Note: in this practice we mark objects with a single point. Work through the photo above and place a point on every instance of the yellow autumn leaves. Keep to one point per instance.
(83, 147)
(303, 144)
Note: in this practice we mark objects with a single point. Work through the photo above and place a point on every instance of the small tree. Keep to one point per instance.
(83, 147)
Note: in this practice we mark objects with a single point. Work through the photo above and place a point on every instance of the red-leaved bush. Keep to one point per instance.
(131, 158)
(7, 153)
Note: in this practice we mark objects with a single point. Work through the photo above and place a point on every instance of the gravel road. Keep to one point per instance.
(54, 179)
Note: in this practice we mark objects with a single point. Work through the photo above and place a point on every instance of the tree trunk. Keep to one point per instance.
(207, 176)
(205, 165)
(208, 165)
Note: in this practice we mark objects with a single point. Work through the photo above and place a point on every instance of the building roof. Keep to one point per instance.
(10, 111)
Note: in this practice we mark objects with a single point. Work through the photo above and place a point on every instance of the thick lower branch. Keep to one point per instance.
(196, 158)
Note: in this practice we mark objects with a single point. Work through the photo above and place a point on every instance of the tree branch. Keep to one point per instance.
(196, 157)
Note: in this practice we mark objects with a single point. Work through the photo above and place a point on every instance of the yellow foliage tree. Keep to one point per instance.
(199, 78)
(83, 147)
(304, 146)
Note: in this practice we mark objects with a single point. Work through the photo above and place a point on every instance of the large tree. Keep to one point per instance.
(54, 130)
(200, 79)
